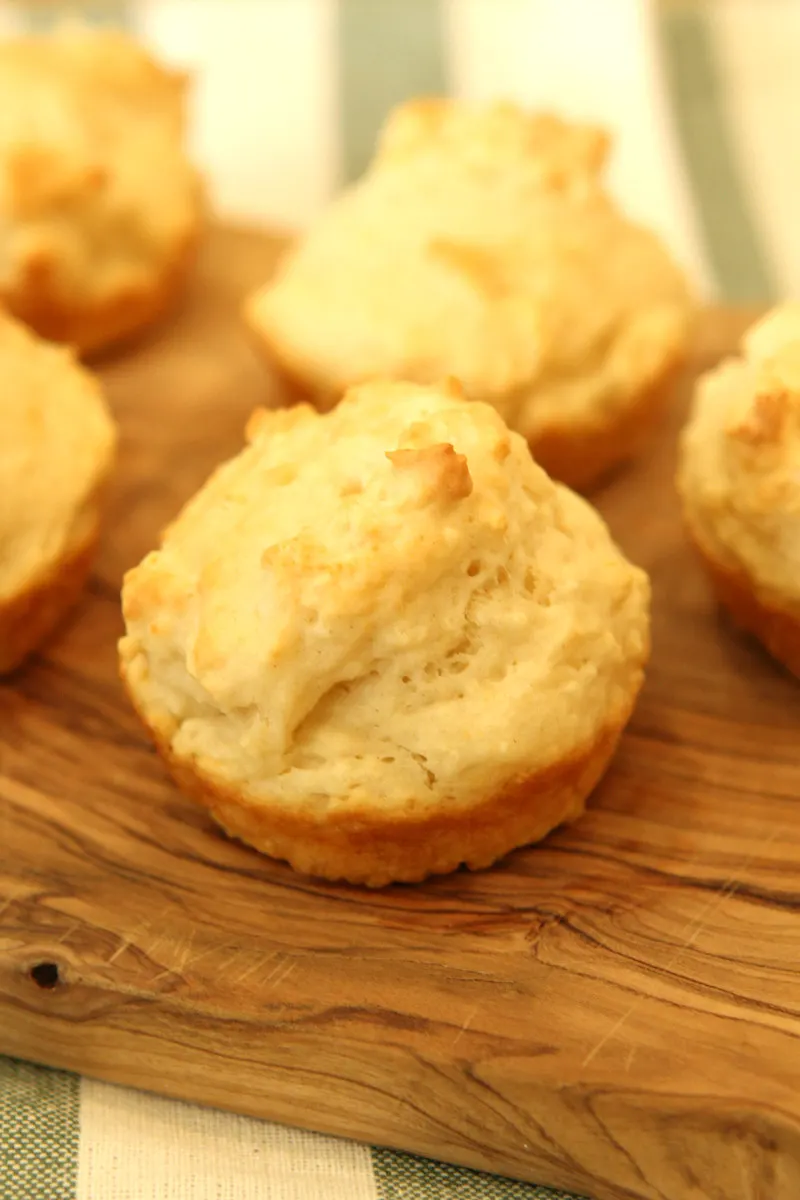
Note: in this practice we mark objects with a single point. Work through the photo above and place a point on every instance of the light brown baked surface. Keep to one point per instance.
(29, 617)
(383, 629)
(100, 209)
(57, 445)
(93, 326)
(776, 628)
(739, 479)
(481, 243)
(364, 846)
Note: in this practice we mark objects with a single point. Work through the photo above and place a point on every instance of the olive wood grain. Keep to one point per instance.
(616, 1011)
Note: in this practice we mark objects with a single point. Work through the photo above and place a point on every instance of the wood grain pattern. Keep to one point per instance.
(617, 1011)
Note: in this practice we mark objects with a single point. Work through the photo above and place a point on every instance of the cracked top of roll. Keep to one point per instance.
(95, 187)
(740, 463)
(388, 601)
(480, 243)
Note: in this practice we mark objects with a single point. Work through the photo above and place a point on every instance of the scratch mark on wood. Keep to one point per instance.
(233, 962)
(470, 1018)
(201, 955)
(728, 889)
(255, 967)
(276, 968)
(161, 975)
(277, 980)
(124, 943)
(183, 952)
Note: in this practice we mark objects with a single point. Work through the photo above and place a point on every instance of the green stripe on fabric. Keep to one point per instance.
(734, 248)
(406, 1177)
(39, 1132)
(387, 52)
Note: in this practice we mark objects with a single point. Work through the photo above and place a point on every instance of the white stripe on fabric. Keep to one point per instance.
(135, 1146)
(588, 61)
(757, 51)
(265, 114)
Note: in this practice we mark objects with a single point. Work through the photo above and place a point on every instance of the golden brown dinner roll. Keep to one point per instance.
(739, 481)
(481, 244)
(57, 444)
(99, 208)
(382, 642)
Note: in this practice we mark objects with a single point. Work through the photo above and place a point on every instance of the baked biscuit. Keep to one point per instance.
(381, 642)
(481, 244)
(739, 481)
(57, 445)
(99, 208)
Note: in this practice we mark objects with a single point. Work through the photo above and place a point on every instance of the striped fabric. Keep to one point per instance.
(704, 100)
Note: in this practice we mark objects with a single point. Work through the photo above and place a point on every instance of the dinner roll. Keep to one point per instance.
(99, 207)
(739, 481)
(57, 445)
(482, 244)
(381, 642)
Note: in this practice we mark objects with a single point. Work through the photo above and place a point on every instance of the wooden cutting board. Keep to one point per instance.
(616, 1011)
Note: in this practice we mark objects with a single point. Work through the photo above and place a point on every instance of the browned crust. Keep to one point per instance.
(30, 616)
(93, 327)
(584, 455)
(777, 629)
(581, 455)
(361, 844)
